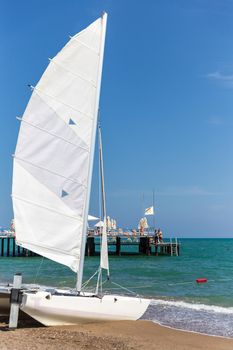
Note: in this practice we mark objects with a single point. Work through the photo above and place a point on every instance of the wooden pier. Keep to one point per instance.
(144, 245)
(8, 247)
(117, 245)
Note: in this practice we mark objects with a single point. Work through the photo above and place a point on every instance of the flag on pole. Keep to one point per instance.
(149, 211)
(92, 218)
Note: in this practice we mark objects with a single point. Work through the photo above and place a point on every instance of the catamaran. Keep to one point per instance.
(53, 165)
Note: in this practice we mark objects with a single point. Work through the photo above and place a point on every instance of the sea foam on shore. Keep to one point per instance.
(206, 319)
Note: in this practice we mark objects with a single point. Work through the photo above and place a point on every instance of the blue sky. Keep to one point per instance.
(166, 104)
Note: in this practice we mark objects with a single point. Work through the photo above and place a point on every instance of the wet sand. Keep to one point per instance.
(126, 335)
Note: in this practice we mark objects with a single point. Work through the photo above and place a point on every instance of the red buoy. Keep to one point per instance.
(201, 280)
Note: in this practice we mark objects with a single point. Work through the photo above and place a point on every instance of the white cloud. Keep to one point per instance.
(219, 76)
(225, 79)
(216, 121)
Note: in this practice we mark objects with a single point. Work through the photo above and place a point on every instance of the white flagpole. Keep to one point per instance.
(154, 209)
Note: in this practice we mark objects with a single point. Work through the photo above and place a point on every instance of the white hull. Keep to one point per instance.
(4, 300)
(54, 310)
(4, 304)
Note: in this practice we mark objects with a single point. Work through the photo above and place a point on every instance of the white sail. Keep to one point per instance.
(104, 263)
(54, 154)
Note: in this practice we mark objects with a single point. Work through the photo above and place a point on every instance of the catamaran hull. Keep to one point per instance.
(4, 303)
(5, 291)
(54, 310)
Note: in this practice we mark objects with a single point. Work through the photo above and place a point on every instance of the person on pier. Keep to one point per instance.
(160, 236)
(156, 237)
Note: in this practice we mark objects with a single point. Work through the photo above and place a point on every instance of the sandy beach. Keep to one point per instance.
(125, 335)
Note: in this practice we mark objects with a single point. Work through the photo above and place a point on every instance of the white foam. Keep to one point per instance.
(190, 331)
(196, 307)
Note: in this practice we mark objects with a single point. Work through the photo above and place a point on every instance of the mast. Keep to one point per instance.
(92, 151)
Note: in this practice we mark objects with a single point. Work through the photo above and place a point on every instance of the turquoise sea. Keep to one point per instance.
(170, 282)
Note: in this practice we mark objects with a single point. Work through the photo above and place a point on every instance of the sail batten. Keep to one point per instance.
(82, 43)
(51, 172)
(75, 217)
(53, 156)
(62, 103)
(75, 74)
(22, 243)
(52, 134)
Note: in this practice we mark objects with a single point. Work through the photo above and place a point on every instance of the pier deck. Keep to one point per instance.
(117, 245)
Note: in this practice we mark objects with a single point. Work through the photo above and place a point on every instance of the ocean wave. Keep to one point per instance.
(195, 317)
(193, 306)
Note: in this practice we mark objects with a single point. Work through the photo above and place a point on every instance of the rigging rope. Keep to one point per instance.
(128, 290)
(38, 270)
(86, 283)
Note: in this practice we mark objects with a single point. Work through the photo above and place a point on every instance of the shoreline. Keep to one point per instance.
(188, 331)
(118, 335)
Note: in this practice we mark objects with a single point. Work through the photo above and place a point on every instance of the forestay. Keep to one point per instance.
(53, 158)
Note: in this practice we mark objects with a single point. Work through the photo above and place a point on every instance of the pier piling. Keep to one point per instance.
(8, 248)
(118, 246)
(2, 246)
(90, 246)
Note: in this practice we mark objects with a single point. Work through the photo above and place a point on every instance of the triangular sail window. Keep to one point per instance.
(71, 122)
(64, 193)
